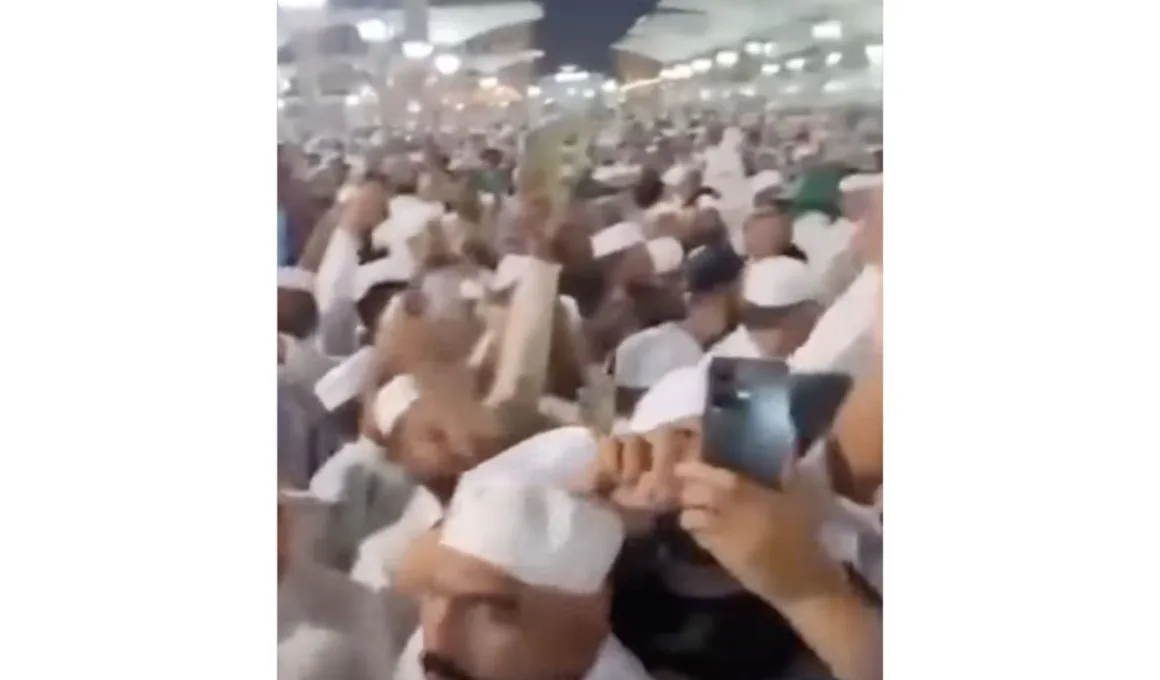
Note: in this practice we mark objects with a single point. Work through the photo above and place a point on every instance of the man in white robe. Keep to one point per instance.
(780, 309)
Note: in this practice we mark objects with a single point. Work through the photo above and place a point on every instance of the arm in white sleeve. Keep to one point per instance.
(334, 293)
(335, 279)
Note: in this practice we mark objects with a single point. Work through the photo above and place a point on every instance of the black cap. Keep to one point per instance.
(711, 267)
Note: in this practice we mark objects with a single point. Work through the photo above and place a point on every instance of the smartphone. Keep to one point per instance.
(758, 414)
(747, 425)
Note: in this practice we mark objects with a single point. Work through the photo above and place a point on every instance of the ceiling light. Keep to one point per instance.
(373, 30)
(769, 48)
(682, 71)
(589, 93)
(447, 64)
(770, 69)
(417, 49)
(754, 48)
(827, 30)
(609, 86)
(702, 65)
(414, 107)
(727, 58)
(874, 54)
(353, 99)
(796, 64)
(833, 58)
(488, 82)
(534, 90)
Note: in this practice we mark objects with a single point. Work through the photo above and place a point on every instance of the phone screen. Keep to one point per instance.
(757, 414)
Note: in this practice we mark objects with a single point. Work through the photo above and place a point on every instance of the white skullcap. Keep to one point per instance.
(675, 175)
(765, 180)
(615, 174)
(860, 182)
(471, 289)
(705, 202)
(666, 254)
(510, 270)
(390, 269)
(778, 282)
(645, 357)
(343, 382)
(618, 237)
(679, 394)
(486, 199)
(393, 400)
(553, 458)
(295, 278)
(542, 536)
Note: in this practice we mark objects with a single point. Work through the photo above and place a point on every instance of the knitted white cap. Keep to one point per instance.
(294, 278)
(542, 536)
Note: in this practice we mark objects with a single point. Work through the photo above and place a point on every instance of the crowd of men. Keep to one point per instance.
(492, 373)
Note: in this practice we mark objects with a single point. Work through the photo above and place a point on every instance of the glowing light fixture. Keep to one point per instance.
(769, 48)
(702, 65)
(796, 64)
(827, 30)
(447, 64)
(833, 58)
(589, 93)
(754, 48)
(534, 90)
(748, 91)
(353, 99)
(727, 58)
(414, 107)
(770, 69)
(682, 71)
(489, 82)
(609, 86)
(374, 30)
(874, 54)
(417, 49)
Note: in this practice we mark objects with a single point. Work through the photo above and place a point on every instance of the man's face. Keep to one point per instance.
(766, 233)
(478, 623)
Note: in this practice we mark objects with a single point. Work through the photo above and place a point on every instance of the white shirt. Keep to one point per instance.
(843, 339)
(737, 344)
(646, 356)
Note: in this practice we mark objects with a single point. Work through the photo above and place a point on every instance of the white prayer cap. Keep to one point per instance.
(675, 175)
(778, 282)
(343, 382)
(510, 269)
(554, 458)
(390, 269)
(765, 180)
(616, 174)
(705, 202)
(618, 237)
(471, 289)
(486, 199)
(678, 395)
(860, 182)
(393, 400)
(666, 254)
(645, 357)
(295, 278)
(542, 536)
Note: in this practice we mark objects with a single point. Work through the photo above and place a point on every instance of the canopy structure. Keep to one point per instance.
(394, 57)
(829, 48)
